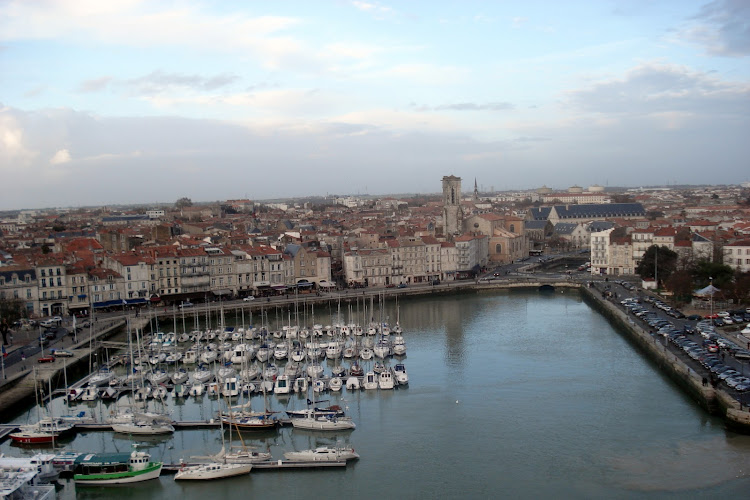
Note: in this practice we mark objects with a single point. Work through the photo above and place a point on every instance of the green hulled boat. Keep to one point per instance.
(115, 468)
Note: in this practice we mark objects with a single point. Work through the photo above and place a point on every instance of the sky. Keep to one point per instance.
(139, 102)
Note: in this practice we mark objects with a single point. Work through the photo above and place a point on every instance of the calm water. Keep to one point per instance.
(511, 395)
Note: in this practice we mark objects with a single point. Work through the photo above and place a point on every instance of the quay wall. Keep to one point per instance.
(715, 400)
(19, 390)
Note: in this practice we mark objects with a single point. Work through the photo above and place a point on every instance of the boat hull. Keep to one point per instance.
(151, 472)
(204, 473)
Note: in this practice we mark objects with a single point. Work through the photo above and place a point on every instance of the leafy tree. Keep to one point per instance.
(183, 203)
(657, 262)
(722, 274)
(740, 287)
(681, 285)
(46, 249)
(12, 309)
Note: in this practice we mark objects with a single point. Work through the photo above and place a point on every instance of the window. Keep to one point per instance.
(44, 273)
(44, 282)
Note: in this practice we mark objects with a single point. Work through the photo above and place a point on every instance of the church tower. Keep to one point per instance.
(452, 214)
(476, 190)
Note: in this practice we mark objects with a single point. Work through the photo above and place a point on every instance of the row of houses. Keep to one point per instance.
(61, 284)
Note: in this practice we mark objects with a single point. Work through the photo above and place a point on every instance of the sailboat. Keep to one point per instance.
(213, 470)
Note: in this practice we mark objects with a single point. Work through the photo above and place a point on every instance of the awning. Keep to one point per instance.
(306, 284)
(326, 284)
(109, 303)
(279, 287)
(82, 296)
(136, 301)
(155, 298)
(223, 291)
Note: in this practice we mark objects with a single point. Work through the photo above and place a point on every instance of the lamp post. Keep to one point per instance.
(711, 290)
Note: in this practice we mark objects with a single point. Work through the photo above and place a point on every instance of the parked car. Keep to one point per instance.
(401, 285)
(61, 353)
(435, 282)
(46, 359)
(248, 298)
(186, 304)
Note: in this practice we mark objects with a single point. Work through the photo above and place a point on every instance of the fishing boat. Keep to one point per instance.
(213, 470)
(322, 454)
(115, 468)
(385, 381)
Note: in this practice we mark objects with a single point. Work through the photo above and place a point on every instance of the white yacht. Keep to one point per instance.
(322, 454)
(371, 381)
(385, 381)
(214, 470)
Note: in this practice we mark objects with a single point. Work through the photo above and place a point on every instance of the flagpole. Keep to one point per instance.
(3, 361)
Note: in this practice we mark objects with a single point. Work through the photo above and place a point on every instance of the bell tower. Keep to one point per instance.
(452, 214)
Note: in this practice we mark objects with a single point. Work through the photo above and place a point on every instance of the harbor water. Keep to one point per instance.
(511, 395)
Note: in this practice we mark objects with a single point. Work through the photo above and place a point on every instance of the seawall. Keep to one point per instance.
(714, 400)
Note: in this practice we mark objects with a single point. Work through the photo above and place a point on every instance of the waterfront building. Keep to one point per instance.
(135, 270)
(473, 253)
(53, 298)
(20, 283)
(448, 260)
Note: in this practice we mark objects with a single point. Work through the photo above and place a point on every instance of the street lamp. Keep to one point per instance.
(711, 291)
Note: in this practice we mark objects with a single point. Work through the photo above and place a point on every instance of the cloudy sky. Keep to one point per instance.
(129, 101)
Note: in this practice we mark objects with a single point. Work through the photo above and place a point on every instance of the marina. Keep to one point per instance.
(530, 339)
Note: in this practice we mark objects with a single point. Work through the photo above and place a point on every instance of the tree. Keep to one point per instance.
(46, 249)
(720, 274)
(681, 285)
(183, 203)
(12, 310)
(657, 262)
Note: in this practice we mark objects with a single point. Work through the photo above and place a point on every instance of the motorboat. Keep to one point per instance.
(399, 345)
(335, 384)
(356, 370)
(371, 381)
(214, 470)
(385, 381)
(366, 353)
(196, 390)
(115, 468)
(322, 454)
(281, 385)
(24, 483)
(300, 385)
(399, 372)
(230, 387)
(352, 383)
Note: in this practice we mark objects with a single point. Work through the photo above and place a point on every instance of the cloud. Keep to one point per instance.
(60, 157)
(722, 27)
(374, 8)
(159, 82)
(659, 88)
(35, 92)
(95, 85)
(471, 106)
